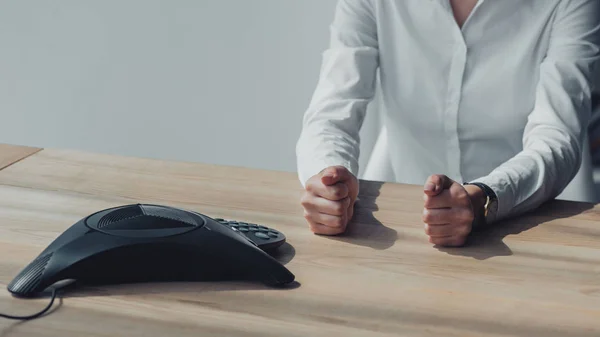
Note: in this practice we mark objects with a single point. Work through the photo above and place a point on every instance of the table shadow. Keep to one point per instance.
(364, 229)
(488, 242)
(149, 288)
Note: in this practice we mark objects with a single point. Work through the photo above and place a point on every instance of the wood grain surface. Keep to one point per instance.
(9, 154)
(538, 275)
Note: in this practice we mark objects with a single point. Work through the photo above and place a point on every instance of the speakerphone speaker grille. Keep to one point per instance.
(30, 277)
(169, 213)
(136, 217)
(119, 215)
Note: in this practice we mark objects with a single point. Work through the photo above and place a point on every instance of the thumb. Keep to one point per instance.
(436, 183)
(335, 174)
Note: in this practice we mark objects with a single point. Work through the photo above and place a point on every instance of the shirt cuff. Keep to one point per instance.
(308, 168)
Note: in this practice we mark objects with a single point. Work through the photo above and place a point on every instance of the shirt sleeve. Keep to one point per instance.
(553, 136)
(331, 124)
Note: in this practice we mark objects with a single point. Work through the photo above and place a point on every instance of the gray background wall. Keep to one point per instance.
(216, 81)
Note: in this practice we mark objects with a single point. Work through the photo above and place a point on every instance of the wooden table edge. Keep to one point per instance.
(19, 152)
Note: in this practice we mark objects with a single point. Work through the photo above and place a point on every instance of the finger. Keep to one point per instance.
(324, 230)
(441, 231)
(332, 221)
(437, 216)
(441, 216)
(335, 174)
(322, 205)
(452, 241)
(334, 192)
(442, 200)
(436, 184)
(460, 196)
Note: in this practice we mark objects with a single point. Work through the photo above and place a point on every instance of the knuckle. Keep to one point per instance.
(307, 186)
(310, 184)
(465, 230)
(458, 230)
(428, 229)
(427, 216)
(339, 192)
(466, 215)
(427, 201)
(458, 194)
(337, 222)
(464, 199)
(453, 229)
(470, 217)
(338, 208)
(461, 196)
(305, 199)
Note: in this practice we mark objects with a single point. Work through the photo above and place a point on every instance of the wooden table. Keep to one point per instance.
(10, 154)
(538, 275)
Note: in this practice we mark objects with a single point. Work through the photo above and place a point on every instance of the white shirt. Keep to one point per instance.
(504, 101)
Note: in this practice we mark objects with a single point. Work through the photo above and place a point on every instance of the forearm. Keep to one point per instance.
(331, 124)
(534, 176)
(326, 142)
(553, 136)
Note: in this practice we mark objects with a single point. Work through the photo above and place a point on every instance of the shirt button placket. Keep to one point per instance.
(455, 80)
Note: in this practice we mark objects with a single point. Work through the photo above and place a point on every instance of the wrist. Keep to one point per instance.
(477, 196)
(487, 212)
(478, 200)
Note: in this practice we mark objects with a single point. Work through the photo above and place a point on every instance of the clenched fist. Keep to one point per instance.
(449, 210)
(328, 200)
